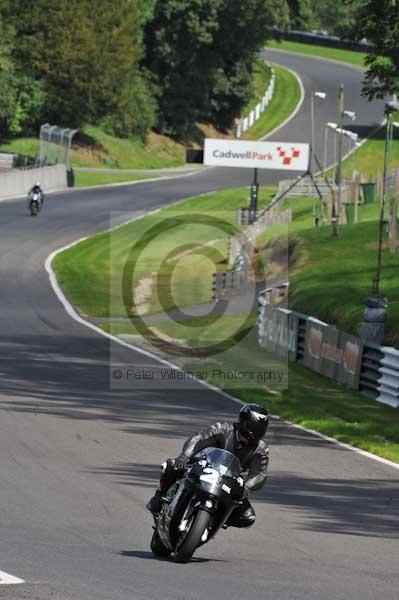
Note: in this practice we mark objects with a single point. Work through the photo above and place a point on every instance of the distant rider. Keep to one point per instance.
(244, 440)
(36, 189)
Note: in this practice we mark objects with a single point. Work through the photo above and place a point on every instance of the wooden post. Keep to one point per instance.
(393, 216)
(356, 196)
(379, 190)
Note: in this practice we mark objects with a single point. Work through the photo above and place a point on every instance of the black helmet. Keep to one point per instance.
(252, 423)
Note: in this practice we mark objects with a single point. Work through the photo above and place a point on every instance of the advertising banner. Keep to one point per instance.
(350, 366)
(313, 345)
(333, 353)
(256, 155)
(280, 332)
(293, 326)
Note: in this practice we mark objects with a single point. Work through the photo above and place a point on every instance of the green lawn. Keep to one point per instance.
(286, 96)
(347, 56)
(369, 158)
(90, 272)
(25, 145)
(330, 277)
(84, 178)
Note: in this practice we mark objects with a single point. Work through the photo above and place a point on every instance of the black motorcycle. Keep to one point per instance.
(35, 202)
(198, 504)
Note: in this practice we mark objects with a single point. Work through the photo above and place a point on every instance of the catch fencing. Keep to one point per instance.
(369, 368)
(246, 241)
(242, 252)
(55, 145)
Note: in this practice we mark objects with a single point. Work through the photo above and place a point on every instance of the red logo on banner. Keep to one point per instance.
(287, 157)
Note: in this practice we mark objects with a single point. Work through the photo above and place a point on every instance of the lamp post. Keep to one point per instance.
(394, 125)
(320, 96)
(342, 113)
(390, 107)
(327, 126)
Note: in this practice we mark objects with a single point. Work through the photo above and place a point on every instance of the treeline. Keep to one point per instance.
(377, 21)
(129, 65)
(133, 65)
(332, 16)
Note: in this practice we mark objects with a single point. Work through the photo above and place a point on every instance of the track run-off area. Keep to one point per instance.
(79, 461)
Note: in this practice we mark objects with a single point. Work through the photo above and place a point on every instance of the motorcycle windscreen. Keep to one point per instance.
(221, 460)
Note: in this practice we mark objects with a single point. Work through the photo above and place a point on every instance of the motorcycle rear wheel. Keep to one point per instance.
(193, 537)
(157, 546)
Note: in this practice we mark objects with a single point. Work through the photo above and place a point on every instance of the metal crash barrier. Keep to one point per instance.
(369, 368)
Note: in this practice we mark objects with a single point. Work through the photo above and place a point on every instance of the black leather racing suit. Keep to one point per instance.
(254, 460)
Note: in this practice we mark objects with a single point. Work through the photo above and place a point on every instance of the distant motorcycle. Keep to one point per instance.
(198, 504)
(35, 203)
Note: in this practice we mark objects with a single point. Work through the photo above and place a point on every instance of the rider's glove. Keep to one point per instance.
(181, 463)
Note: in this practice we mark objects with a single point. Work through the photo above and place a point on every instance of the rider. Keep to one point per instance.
(244, 439)
(36, 189)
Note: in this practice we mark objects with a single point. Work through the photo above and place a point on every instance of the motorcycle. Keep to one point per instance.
(35, 204)
(198, 505)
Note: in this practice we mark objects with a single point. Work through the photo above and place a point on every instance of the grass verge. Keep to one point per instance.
(90, 271)
(333, 276)
(84, 178)
(309, 399)
(286, 96)
(369, 158)
(346, 56)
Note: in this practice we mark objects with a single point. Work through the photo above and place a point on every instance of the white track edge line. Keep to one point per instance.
(7, 579)
(327, 438)
(296, 109)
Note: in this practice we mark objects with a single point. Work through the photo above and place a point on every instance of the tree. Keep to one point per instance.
(88, 56)
(301, 14)
(178, 43)
(201, 55)
(241, 34)
(21, 97)
(378, 22)
(331, 15)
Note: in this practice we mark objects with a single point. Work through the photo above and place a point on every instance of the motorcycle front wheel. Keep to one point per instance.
(193, 538)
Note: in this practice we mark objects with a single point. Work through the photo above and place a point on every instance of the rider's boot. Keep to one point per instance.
(155, 504)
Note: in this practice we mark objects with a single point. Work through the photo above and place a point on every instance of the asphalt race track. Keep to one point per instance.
(78, 462)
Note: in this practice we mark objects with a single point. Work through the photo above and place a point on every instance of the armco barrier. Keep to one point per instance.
(372, 369)
(379, 377)
(18, 182)
(388, 389)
